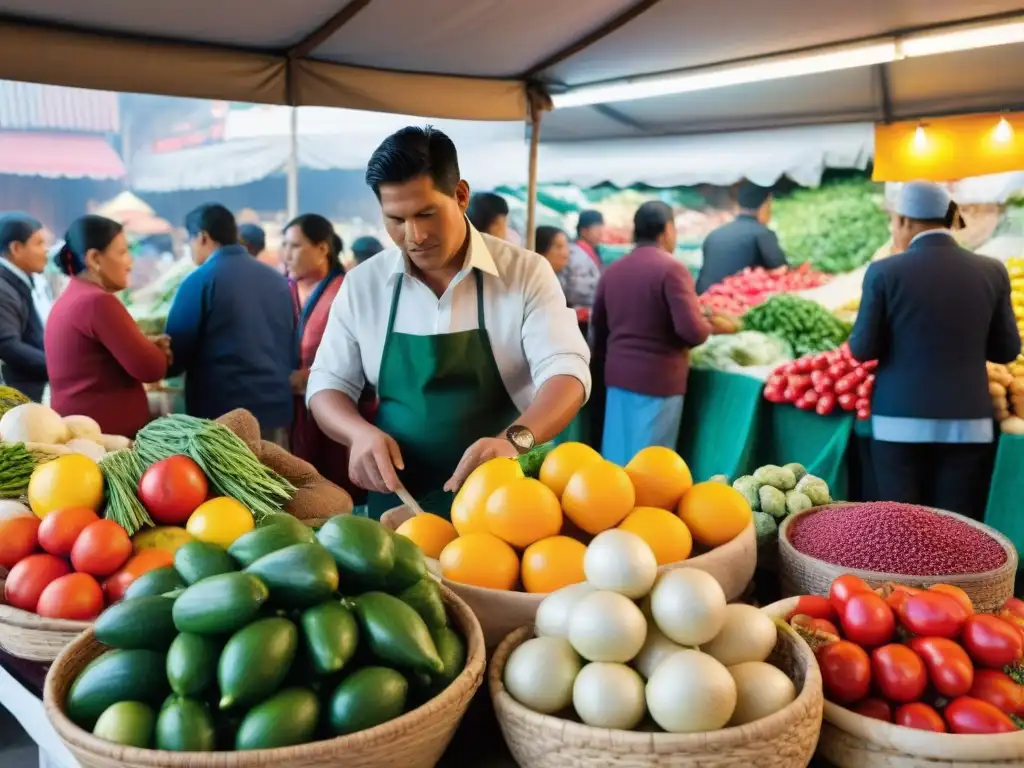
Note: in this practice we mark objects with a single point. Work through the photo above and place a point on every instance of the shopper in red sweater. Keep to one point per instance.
(96, 356)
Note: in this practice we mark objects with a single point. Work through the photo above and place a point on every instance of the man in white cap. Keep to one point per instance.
(932, 315)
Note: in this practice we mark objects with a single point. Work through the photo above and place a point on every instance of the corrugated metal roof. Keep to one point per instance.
(33, 107)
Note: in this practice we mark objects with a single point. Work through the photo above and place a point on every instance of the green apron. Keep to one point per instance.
(437, 396)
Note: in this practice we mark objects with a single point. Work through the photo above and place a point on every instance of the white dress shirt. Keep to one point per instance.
(41, 299)
(533, 334)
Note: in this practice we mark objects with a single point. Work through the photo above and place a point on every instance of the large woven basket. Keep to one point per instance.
(417, 739)
(784, 740)
(32, 637)
(501, 611)
(849, 740)
(802, 574)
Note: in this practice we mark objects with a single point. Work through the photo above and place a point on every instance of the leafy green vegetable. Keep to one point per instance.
(735, 351)
(806, 325)
(765, 527)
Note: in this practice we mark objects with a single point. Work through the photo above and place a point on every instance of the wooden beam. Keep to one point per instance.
(884, 91)
(325, 31)
(587, 40)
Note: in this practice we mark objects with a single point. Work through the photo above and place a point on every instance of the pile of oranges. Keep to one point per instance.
(508, 531)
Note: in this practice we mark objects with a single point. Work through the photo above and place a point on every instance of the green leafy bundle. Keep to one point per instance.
(806, 325)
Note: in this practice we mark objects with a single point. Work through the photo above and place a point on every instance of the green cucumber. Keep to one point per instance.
(251, 546)
(256, 661)
(302, 531)
(116, 676)
(139, 622)
(192, 664)
(198, 560)
(410, 566)
(425, 597)
(297, 576)
(219, 605)
(156, 582)
(185, 725)
(367, 697)
(452, 650)
(396, 634)
(289, 717)
(330, 636)
(363, 549)
(129, 723)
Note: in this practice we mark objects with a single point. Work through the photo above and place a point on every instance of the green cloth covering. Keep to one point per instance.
(818, 442)
(1004, 511)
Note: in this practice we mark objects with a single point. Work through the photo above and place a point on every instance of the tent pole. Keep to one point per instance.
(531, 189)
(293, 165)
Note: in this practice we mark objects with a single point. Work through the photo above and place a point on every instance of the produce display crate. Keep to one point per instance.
(417, 739)
(802, 574)
(34, 638)
(785, 739)
(501, 611)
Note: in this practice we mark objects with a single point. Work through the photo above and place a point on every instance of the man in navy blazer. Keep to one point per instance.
(932, 315)
(22, 306)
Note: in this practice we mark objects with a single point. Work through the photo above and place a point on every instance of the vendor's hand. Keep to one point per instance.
(482, 450)
(373, 458)
(298, 381)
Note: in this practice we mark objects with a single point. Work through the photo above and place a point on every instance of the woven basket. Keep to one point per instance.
(501, 611)
(32, 637)
(801, 574)
(785, 739)
(417, 739)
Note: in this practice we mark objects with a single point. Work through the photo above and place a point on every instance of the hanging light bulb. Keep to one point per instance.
(1003, 134)
(920, 139)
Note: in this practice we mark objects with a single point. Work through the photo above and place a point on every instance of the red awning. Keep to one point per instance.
(59, 155)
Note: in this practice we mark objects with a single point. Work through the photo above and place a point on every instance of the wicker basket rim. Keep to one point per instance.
(725, 737)
(1005, 543)
(20, 619)
(467, 681)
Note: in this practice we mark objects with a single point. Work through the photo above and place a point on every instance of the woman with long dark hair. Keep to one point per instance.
(97, 357)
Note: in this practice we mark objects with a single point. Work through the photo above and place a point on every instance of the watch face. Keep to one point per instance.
(521, 438)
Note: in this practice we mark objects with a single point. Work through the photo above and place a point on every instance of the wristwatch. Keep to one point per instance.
(521, 438)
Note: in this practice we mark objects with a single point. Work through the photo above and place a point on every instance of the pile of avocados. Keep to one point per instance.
(287, 637)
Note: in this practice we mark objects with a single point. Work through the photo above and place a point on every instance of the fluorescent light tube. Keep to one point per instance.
(962, 39)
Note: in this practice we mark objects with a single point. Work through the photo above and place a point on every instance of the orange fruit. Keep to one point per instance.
(598, 496)
(429, 532)
(714, 513)
(660, 477)
(666, 535)
(468, 506)
(562, 463)
(553, 563)
(480, 560)
(522, 512)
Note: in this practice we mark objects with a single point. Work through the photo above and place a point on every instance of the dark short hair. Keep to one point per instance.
(253, 238)
(485, 208)
(216, 221)
(650, 220)
(751, 196)
(413, 152)
(317, 229)
(587, 220)
(16, 227)
(365, 247)
(85, 234)
(545, 238)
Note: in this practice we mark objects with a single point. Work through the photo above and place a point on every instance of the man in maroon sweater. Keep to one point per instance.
(646, 317)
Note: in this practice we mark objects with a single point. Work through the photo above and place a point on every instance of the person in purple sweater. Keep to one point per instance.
(646, 317)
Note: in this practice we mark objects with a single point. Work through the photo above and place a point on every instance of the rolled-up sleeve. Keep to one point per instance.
(552, 341)
(338, 363)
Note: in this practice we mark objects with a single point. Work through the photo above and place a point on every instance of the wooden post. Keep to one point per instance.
(531, 189)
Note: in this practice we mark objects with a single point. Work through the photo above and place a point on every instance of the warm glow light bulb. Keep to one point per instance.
(920, 139)
(1003, 132)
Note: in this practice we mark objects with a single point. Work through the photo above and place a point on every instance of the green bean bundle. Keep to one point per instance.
(232, 469)
(804, 324)
(16, 466)
(121, 473)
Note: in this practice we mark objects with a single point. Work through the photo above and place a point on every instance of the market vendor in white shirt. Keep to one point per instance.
(467, 339)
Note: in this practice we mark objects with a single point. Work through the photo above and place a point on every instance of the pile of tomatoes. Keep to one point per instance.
(918, 658)
(823, 382)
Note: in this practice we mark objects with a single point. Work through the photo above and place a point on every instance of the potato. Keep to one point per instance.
(1017, 386)
(996, 389)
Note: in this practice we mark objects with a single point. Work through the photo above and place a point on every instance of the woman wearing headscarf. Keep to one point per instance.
(932, 315)
(97, 357)
(23, 308)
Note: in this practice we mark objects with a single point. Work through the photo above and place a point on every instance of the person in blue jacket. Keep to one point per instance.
(231, 328)
(932, 315)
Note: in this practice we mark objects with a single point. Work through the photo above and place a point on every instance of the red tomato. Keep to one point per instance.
(826, 404)
(877, 709)
(815, 606)
(956, 593)
(172, 489)
(18, 539)
(843, 587)
(76, 597)
(847, 401)
(949, 666)
(61, 527)
(27, 580)
(998, 689)
(147, 560)
(970, 715)
(992, 641)
(933, 614)
(867, 619)
(1015, 606)
(101, 549)
(896, 599)
(817, 625)
(921, 716)
(845, 671)
(898, 672)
